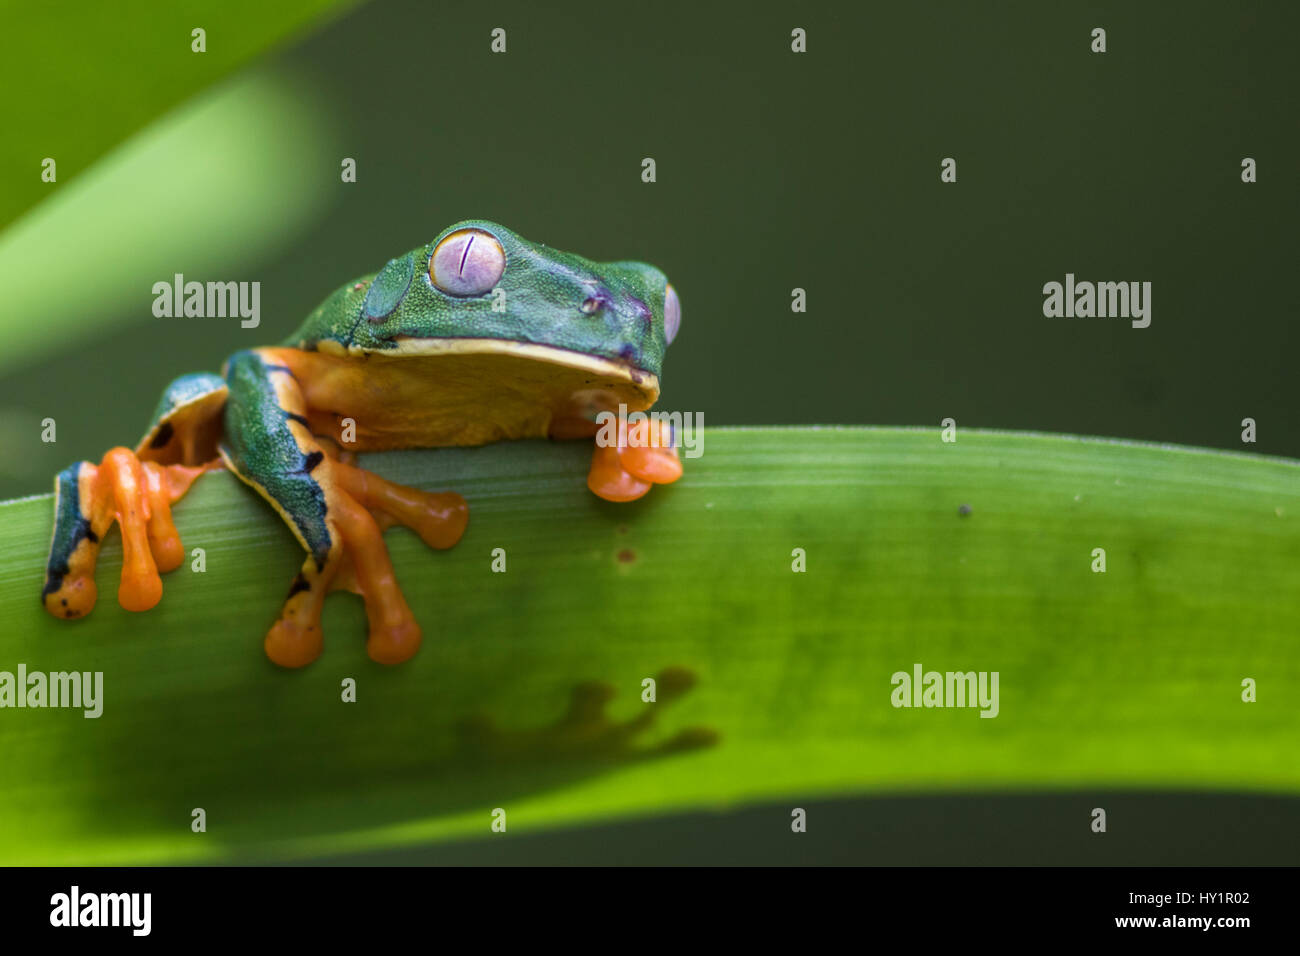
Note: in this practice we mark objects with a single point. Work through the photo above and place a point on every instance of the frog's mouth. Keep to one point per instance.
(430, 392)
(610, 371)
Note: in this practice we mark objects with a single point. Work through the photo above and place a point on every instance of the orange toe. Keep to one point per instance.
(74, 598)
(394, 643)
(139, 590)
(608, 479)
(291, 643)
(658, 465)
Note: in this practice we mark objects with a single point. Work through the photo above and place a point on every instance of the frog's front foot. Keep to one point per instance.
(360, 506)
(138, 496)
(626, 472)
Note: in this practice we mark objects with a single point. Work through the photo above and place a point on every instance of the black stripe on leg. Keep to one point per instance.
(165, 432)
(70, 528)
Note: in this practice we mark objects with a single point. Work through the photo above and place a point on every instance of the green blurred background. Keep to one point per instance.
(775, 171)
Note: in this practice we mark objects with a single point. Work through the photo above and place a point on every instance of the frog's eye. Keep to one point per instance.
(672, 313)
(468, 262)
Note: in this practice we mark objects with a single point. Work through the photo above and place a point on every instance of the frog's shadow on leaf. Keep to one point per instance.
(585, 733)
(482, 766)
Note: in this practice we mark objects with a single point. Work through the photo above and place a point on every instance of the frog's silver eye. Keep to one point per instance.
(672, 313)
(468, 262)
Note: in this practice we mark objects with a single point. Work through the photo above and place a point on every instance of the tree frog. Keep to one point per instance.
(475, 337)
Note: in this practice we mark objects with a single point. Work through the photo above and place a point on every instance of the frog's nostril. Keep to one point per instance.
(592, 305)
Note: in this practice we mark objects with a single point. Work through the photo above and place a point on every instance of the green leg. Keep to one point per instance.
(331, 507)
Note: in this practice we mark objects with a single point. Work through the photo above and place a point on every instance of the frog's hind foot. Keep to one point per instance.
(138, 496)
(337, 511)
(361, 505)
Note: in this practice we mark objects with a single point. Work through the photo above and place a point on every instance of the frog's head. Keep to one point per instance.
(479, 289)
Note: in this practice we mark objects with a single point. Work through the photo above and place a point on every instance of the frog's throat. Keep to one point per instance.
(603, 368)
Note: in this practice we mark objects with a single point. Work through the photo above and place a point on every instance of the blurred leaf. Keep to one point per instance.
(1131, 678)
(214, 187)
(83, 76)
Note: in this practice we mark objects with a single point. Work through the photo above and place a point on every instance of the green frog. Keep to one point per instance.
(475, 337)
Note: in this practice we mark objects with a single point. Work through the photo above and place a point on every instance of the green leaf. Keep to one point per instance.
(83, 76)
(1128, 678)
(89, 257)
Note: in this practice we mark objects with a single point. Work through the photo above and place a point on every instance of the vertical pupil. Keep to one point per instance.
(465, 255)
